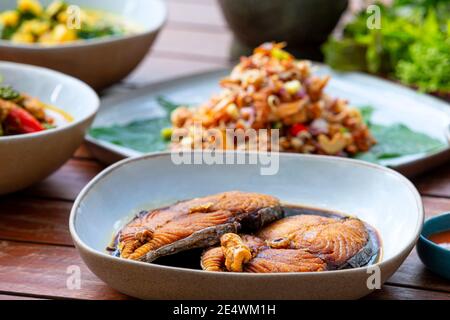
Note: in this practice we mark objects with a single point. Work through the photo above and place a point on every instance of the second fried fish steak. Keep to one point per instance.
(196, 223)
(295, 244)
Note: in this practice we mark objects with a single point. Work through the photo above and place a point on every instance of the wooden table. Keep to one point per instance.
(35, 246)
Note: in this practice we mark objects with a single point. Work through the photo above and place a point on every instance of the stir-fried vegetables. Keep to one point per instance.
(20, 113)
(412, 45)
(272, 90)
(57, 23)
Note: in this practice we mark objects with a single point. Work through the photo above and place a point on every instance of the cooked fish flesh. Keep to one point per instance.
(333, 240)
(197, 223)
(251, 254)
(295, 244)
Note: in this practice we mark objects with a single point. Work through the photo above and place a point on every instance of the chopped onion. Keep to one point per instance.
(318, 126)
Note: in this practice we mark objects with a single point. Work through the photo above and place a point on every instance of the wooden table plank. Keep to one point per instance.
(414, 274)
(42, 271)
(35, 220)
(67, 182)
(83, 153)
(400, 293)
(435, 206)
(435, 183)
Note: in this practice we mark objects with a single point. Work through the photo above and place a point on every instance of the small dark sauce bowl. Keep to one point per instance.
(433, 256)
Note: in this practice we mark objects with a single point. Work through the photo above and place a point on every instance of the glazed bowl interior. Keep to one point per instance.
(148, 15)
(53, 88)
(379, 196)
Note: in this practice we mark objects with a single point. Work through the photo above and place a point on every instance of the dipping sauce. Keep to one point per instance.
(442, 239)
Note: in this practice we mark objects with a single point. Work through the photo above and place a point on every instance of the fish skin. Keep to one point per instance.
(200, 239)
(148, 236)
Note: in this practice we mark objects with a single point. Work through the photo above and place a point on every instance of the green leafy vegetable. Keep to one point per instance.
(7, 32)
(429, 67)
(168, 105)
(48, 126)
(145, 135)
(154, 135)
(8, 93)
(97, 31)
(411, 45)
(396, 140)
(366, 113)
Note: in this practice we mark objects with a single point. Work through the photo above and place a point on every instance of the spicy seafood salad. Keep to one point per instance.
(271, 90)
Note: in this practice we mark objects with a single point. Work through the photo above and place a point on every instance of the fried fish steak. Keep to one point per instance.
(303, 243)
(284, 227)
(248, 253)
(196, 223)
(335, 241)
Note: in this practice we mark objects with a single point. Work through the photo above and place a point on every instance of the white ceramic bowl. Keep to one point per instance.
(98, 62)
(379, 196)
(28, 158)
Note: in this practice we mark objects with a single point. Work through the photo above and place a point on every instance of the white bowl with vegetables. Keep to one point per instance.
(99, 42)
(44, 115)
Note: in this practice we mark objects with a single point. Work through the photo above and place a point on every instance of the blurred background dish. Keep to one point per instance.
(28, 158)
(303, 24)
(99, 61)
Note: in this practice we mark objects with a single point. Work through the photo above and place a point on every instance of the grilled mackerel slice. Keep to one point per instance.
(196, 223)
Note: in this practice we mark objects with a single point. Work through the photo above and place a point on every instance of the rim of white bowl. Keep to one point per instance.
(55, 74)
(402, 251)
(95, 41)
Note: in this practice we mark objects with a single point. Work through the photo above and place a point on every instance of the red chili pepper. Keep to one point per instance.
(21, 121)
(297, 128)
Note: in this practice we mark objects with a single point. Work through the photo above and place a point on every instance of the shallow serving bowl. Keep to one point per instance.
(28, 158)
(379, 196)
(98, 62)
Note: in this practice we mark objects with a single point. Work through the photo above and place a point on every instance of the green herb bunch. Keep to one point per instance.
(412, 45)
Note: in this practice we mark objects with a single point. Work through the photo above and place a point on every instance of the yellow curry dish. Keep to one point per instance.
(58, 23)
